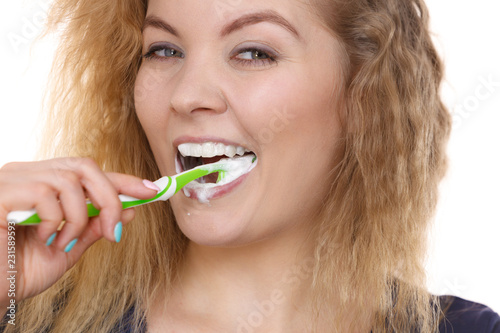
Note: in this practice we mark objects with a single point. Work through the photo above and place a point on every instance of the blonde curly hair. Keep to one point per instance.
(372, 238)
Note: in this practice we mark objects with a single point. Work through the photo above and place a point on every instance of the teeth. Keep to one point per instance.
(211, 149)
(240, 151)
(230, 151)
(208, 149)
(220, 148)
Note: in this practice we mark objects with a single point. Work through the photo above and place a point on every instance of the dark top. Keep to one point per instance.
(461, 316)
(467, 317)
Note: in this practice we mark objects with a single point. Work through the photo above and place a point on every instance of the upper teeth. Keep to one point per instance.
(210, 149)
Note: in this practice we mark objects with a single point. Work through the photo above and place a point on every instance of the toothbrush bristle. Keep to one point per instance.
(221, 176)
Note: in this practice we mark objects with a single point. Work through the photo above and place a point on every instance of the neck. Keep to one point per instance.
(265, 284)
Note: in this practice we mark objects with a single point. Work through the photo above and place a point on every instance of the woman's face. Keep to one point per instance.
(262, 75)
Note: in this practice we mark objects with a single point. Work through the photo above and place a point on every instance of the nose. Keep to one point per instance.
(197, 89)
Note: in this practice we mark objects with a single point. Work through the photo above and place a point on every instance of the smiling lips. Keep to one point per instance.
(191, 155)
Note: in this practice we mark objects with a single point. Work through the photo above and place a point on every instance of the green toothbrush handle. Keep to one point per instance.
(169, 186)
(30, 217)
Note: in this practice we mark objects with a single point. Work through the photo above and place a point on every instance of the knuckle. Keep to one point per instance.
(76, 221)
(68, 177)
(73, 163)
(87, 163)
(112, 209)
(94, 229)
(63, 163)
(42, 190)
(117, 205)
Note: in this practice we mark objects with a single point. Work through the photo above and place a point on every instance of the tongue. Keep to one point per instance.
(211, 178)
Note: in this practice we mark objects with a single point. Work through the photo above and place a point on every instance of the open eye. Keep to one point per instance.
(163, 51)
(254, 56)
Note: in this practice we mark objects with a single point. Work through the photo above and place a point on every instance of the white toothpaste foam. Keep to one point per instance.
(235, 168)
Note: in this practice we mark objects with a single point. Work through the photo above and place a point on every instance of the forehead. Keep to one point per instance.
(214, 14)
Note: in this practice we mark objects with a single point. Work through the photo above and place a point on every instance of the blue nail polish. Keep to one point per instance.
(118, 232)
(70, 245)
(51, 239)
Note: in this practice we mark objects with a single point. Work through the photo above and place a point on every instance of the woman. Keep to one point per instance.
(338, 100)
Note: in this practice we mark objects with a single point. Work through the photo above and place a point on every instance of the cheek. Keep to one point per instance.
(290, 108)
(294, 121)
(151, 103)
(151, 108)
(267, 107)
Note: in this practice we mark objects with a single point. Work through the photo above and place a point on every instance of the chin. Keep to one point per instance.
(212, 225)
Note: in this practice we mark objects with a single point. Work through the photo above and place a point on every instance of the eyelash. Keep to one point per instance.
(151, 54)
(270, 58)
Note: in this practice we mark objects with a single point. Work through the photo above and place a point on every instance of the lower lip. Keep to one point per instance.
(220, 191)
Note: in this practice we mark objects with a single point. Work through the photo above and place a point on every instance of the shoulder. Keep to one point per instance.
(462, 316)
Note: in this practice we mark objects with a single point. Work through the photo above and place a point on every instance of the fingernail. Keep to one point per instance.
(51, 239)
(149, 184)
(118, 232)
(70, 245)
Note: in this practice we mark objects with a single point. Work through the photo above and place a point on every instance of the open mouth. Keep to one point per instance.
(191, 155)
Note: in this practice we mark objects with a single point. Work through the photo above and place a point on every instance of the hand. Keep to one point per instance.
(58, 189)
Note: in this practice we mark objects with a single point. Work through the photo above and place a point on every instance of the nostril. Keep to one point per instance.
(195, 95)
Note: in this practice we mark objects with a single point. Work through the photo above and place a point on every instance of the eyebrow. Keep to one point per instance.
(254, 18)
(156, 22)
(245, 20)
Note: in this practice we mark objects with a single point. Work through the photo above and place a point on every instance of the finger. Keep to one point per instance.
(124, 184)
(89, 236)
(16, 166)
(26, 197)
(40, 196)
(129, 185)
(73, 202)
(65, 163)
(102, 191)
(67, 186)
(93, 233)
(94, 228)
(68, 176)
(128, 215)
(104, 196)
(51, 215)
(133, 186)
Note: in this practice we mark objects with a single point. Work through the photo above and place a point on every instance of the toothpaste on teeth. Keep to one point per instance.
(235, 168)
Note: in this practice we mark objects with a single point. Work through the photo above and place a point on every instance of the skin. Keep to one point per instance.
(58, 188)
(243, 245)
(248, 247)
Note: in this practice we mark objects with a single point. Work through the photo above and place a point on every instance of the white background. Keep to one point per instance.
(465, 241)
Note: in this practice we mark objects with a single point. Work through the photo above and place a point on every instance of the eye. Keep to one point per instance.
(163, 52)
(254, 56)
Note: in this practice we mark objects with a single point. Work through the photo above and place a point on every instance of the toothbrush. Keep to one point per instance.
(168, 185)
